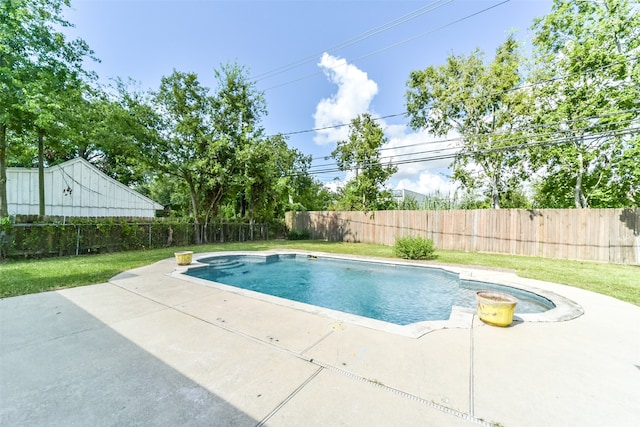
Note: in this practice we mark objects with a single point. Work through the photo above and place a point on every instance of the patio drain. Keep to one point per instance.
(288, 398)
(404, 394)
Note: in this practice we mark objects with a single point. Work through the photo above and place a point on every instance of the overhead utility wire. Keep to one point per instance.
(431, 31)
(533, 127)
(558, 141)
(550, 143)
(337, 126)
(512, 138)
(391, 46)
(369, 33)
(447, 152)
(523, 86)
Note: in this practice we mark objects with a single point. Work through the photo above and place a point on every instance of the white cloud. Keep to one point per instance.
(427, 182)
(354, 96)
(338, 184)
(416, 151)
(424, 158)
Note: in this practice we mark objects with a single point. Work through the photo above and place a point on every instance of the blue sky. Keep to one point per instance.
(319, 63)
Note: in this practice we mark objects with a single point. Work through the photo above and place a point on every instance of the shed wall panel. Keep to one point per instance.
(74, 188)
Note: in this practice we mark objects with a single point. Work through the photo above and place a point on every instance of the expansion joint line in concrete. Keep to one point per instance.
(317, 342)
(288, 398)
(404, 394)
(63, 336)
(220, 325)
(471, 373)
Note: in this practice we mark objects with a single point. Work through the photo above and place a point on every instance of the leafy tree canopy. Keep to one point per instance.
(480, 103)
(360, 155)
(587, 99)
(40, 71)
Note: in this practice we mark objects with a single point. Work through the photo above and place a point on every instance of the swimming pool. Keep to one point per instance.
(396, 293)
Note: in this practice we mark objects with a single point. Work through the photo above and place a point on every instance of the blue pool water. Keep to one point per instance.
(392, 293)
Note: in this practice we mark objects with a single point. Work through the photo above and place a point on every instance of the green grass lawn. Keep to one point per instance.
(31, 276)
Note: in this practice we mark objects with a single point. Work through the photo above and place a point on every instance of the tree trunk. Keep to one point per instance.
(494, 177)
(194, 208)
(4, 208)
(495, 196)
(41, 212)
(243, 204)
(578, 196)
(213, 196)
(196, 221)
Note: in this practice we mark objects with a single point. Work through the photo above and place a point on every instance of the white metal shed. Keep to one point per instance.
(75, 188)
(403, 195)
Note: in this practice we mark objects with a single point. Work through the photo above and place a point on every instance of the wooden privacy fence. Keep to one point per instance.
(606, 235)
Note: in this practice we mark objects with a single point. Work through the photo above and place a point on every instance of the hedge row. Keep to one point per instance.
(37, 240)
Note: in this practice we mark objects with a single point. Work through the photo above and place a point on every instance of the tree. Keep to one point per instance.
(239, 141)
(108, 127)
(301, 192)
(185, 135)
(215, 145)
(285, 182)
(254, 175)
(47, 94)
(38, 65)
(587, 104)
(265, 179)
(103, 127)
(481, 103)
(16, 21)
(360, 154)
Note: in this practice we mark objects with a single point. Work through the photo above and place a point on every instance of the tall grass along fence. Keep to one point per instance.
(35, 240)
(605, 235)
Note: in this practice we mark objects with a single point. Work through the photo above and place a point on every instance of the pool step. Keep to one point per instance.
(226, 265)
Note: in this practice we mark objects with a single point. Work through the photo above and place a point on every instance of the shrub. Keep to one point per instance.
(298, 235)
(414, 248)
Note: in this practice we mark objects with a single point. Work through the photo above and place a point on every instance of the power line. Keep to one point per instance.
(432, 31)
(393, 45)
(332, 167)
(336, 126)
(523, 86)
(558, 141)
(499, 133)
(367, 34)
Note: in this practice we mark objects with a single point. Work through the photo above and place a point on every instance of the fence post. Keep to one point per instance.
(77, 240)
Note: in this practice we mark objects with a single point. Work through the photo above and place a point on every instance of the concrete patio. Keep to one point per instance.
(150, 349)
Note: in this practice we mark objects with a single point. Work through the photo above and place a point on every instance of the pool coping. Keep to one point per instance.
(460, 317)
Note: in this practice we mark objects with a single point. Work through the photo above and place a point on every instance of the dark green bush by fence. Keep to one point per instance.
(414, 248)
(298, 235)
